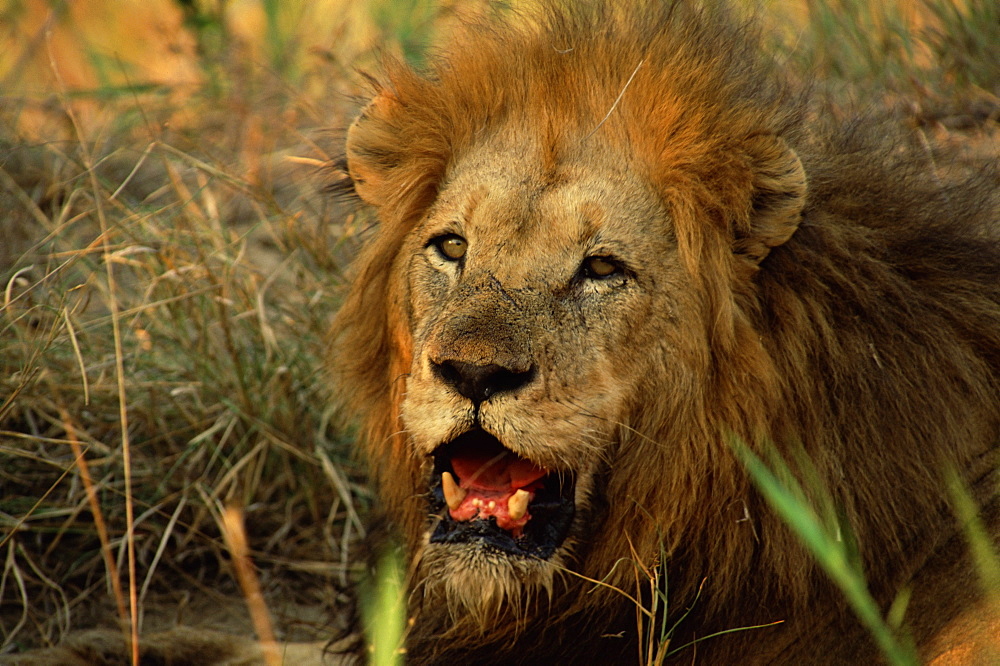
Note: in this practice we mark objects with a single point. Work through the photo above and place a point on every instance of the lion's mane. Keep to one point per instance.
(843, 300)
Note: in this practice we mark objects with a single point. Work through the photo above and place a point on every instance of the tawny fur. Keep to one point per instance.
(814, 286)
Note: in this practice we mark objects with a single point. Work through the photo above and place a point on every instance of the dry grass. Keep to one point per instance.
(169, 265)
(166, 293)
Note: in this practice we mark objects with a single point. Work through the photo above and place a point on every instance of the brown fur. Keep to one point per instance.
(816, 286)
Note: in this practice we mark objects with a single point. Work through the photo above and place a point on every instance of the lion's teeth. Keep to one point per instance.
(517, 505)
(453, 494)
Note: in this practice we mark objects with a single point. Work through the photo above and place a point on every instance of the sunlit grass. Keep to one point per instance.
(384, 611)
(182, 302)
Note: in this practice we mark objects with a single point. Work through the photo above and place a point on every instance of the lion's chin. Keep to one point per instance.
(496, 503)
(481, 589)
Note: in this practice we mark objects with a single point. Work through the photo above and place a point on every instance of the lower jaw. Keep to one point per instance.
(480, 583)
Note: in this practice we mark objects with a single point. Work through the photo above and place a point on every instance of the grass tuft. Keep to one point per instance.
(163, 324)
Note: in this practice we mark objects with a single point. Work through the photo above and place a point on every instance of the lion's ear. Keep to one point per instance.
(779, 195)
(397, 152)
(368, 160)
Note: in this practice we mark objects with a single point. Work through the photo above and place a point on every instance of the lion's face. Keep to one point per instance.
(537, 306)
(537, 330)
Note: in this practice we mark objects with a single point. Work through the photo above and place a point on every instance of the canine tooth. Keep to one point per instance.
(453, 494)
(517, 505)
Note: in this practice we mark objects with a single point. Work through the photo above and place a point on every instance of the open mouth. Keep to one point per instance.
(486, 493)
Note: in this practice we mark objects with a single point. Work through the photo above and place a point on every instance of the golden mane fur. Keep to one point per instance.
(820, 287)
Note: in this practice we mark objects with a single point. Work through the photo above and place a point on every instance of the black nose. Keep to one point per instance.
(479, 382)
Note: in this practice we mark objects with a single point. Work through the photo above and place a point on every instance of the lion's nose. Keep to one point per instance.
(479, 382)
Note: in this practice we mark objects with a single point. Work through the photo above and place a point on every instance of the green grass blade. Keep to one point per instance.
(787, 498)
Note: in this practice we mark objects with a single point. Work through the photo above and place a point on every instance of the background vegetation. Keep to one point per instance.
(169, 265)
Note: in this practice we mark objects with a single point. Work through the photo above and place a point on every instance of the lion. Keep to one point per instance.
(611, 240)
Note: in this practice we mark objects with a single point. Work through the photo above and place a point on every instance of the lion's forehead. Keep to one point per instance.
(516, 213)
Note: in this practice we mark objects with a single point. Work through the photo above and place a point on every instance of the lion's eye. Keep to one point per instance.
(599, 268)
(452, 247)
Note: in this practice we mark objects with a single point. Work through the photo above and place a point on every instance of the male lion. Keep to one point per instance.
(611, 241)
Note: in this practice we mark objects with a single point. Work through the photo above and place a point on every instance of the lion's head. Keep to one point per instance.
(561, 316)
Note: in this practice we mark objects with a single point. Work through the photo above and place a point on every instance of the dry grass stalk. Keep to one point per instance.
(236, 540)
